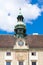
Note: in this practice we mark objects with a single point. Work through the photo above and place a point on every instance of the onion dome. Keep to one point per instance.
(20, 27)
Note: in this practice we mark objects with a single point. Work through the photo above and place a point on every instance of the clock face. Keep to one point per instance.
(20, 43)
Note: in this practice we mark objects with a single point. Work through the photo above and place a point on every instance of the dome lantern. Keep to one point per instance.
(20, 16)
(20, 27)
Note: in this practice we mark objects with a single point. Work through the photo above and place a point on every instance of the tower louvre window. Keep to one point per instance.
(20, 18)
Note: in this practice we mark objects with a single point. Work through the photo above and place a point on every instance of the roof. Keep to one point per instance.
(7, 41)
(34, 41)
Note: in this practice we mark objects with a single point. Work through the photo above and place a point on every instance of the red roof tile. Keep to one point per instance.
(34, 41)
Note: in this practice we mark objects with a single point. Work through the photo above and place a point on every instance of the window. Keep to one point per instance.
(8, 63)
(20, 62)
(33, 63)
(34, 53)
(8, 53)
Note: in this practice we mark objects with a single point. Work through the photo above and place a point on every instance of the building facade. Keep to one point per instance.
(21, 49)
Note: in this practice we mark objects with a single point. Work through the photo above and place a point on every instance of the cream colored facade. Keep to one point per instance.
(23, 55)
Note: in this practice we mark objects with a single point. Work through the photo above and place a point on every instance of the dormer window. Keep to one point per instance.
(8, 53)
(33, 53)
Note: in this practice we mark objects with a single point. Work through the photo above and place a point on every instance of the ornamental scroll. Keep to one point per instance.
(20, 55)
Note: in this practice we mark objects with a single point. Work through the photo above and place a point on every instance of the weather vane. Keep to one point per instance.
(19, 10)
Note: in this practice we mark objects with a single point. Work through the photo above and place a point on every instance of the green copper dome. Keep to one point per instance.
(20, 25)
(20, 28)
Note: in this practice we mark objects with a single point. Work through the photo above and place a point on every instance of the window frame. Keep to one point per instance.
(8, 62)
(8, 53)
(34, 62)
(33, 53)
(21, 62)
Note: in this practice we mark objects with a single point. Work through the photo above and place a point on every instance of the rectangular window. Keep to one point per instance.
(33, 63)
(8, 63)
(20, 62)
(8, 53)
(33, 53)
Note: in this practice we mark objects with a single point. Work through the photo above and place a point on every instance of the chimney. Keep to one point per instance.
(35, 33)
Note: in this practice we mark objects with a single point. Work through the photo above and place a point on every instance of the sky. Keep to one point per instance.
(32, 10)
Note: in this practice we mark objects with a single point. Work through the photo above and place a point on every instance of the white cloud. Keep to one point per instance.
(29, 11)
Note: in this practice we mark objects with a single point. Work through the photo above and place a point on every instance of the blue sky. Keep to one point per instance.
(36, 27)
(32, 11)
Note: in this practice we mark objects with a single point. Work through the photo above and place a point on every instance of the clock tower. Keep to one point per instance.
(20, 28)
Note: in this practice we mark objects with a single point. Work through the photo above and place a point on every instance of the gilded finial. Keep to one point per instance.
(20, 11)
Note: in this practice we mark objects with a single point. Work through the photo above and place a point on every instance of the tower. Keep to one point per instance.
(20, 28)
